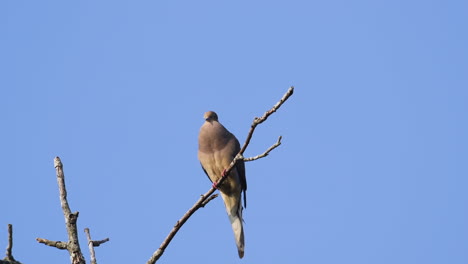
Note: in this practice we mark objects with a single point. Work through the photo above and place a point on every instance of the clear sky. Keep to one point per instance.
(373, 166)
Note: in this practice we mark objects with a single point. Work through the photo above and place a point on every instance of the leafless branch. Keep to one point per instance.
(92, 244)
(264, 154)
(202, 201)
(97, 243)
(91, 248)
(50, 243)
(209, 199)
(9, 256)
(73, 245)
(258, 120)
(205, 198)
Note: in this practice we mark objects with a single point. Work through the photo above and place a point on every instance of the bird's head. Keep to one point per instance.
(210, 116)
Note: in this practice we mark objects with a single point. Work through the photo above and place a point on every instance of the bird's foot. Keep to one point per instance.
(223, 174)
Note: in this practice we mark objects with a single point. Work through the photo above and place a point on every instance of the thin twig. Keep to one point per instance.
(200, 203)
(92, 244)
(259, 120)
(9, 259)
(264, 154)
(205, 198)
(50, 243)
(209, 199)
(97, 243)
(9, 255)
(73, 245)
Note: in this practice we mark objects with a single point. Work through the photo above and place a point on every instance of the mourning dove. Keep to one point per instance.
(217, 147)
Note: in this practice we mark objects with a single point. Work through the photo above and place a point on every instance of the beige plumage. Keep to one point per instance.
(217, 147)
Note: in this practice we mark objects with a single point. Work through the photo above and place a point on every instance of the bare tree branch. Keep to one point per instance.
(50, 243)
(73, 245)
(264, 154)
(92, 244)
(205, 198)
(9, 259)
(97, 243)
(9, 255)
(200, 203)
(258, 120)
(209, 199)
(91, 248)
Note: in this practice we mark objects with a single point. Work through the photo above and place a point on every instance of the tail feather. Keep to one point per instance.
(234, 211)
(236, 222)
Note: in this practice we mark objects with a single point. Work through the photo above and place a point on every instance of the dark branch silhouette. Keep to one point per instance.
(9, 255)
(9, 259)
(205, 198)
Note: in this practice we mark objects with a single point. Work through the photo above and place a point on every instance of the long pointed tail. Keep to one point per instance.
(236, 222)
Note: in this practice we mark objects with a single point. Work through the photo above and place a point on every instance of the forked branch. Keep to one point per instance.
(92, 244)
(73, 246)
(205, 198)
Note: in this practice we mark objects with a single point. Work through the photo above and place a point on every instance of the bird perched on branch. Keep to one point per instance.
(217, 147)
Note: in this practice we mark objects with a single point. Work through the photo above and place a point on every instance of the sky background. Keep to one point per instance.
(373, 165)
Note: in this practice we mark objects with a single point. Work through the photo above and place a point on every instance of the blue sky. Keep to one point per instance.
(373, 163)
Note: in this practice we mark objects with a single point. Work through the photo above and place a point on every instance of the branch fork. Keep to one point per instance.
(72, 245)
